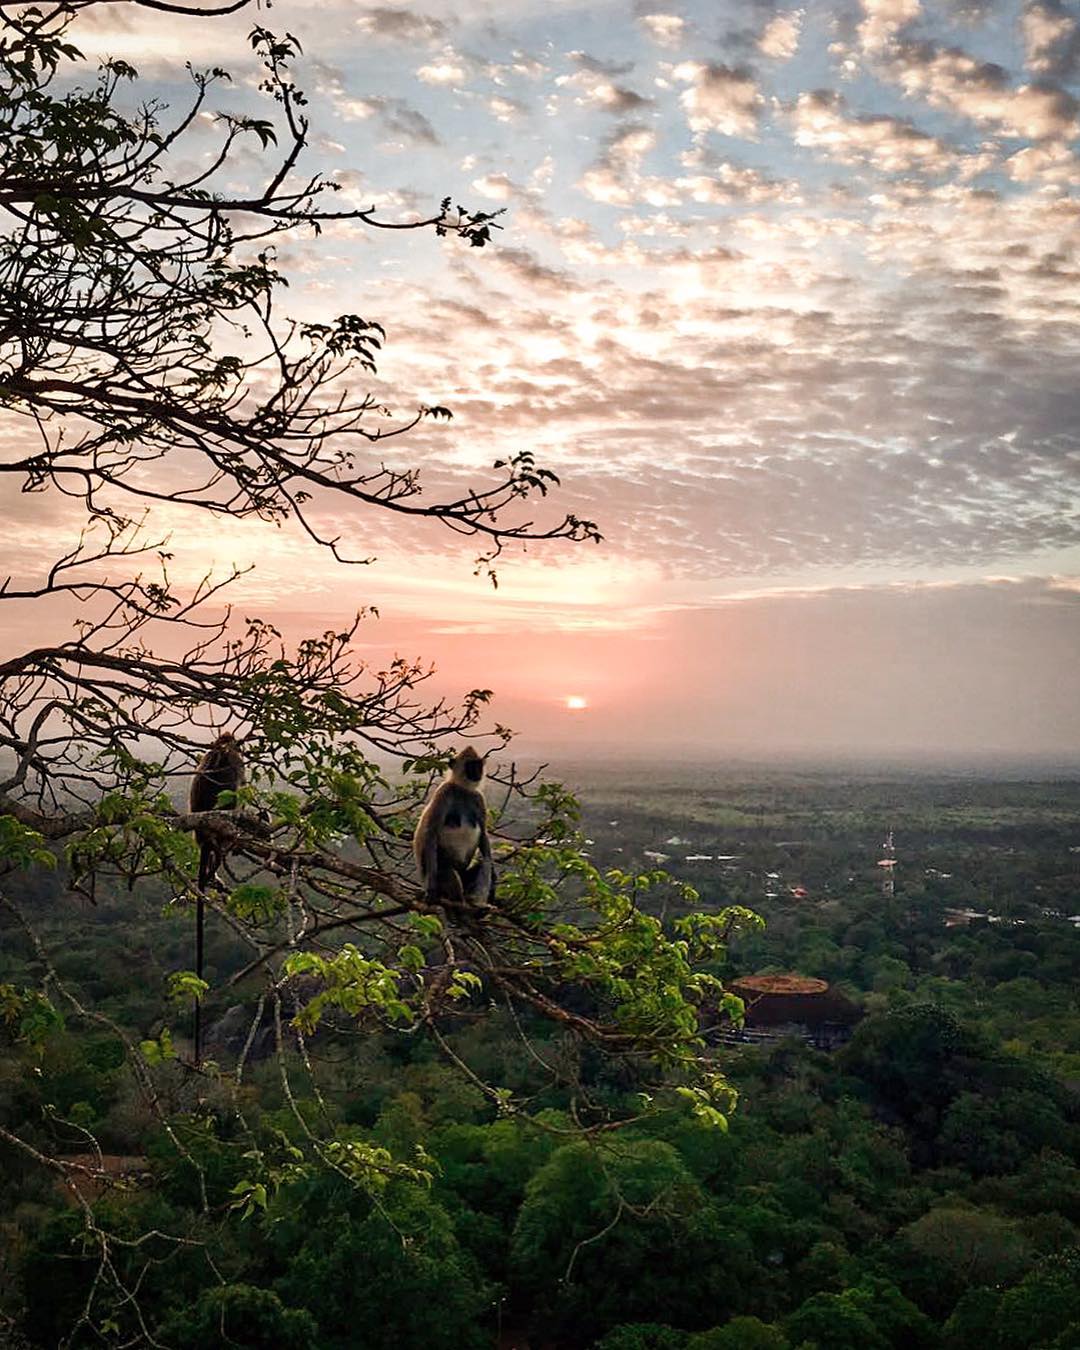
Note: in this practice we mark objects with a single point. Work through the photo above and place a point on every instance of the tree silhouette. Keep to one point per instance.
(144, 360)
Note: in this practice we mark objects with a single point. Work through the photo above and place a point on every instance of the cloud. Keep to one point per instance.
(972, 12)
(540, 177)
(883, 20)
(594, 65)
(659, 225)
(724, 184)
(615, 177)
(666, 30)
(400, 25)
(150, 41)
(806, 394)
(747, 364)
(1050, 164)
(355, 190)
(447, 68)
(521, 63)
(950, 78)
(720, 98)
(780, 38)
(396, 116)
(495, 186)
(506, 109)
(524, 267)
(595, 78)
(616, 98)
(1051, 38)
(822, 122)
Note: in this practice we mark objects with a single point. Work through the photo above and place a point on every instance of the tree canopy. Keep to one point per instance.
(144, 360)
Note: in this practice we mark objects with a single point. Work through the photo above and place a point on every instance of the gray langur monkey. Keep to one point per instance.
(221, 769)
(451, 842)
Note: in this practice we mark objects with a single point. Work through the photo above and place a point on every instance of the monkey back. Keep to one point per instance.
(221, 770)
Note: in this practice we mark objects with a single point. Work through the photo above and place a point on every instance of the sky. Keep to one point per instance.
(789, 296)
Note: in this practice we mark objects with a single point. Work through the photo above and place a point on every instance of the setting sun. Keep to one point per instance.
(575, 703)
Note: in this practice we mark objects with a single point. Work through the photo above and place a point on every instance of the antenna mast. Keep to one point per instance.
(888, 866)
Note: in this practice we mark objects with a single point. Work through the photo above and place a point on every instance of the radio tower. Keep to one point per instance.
(888, 866)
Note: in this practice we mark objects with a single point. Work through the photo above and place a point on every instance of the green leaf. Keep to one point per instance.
(159, 1051)
(184, 986)
(22, 846)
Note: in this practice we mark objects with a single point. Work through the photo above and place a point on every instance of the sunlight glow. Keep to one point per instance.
(575, 703)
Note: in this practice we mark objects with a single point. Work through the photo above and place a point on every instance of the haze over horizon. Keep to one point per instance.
(789, 296)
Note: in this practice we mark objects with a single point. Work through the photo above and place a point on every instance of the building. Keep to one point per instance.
(779, 1006)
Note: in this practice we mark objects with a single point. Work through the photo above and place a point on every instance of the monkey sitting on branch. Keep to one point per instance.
(451, 842)
(221, 769)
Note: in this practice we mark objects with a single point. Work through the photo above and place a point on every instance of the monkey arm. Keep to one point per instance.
(204, 792)
(480, 878)
(478, 882)
(485, 842)
(429, 854)
(431, 871)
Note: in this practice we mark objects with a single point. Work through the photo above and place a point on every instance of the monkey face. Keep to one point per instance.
(468, 766)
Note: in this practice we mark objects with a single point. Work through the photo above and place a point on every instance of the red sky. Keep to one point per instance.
(790, 298)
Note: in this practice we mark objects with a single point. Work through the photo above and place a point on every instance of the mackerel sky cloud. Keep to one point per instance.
(789, 295)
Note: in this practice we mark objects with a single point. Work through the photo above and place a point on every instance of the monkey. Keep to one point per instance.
(451, 842)
(221, 769)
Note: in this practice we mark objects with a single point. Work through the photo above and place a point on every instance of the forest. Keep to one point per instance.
(918, 1187)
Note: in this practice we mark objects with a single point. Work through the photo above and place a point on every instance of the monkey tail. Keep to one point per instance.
(208, 863)
(200, 929)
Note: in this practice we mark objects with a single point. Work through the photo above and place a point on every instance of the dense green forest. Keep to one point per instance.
(919, 1187)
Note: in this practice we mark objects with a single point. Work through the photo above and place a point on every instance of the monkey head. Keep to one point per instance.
(467, 767)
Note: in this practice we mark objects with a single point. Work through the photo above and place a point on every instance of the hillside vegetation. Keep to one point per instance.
(920, 1187)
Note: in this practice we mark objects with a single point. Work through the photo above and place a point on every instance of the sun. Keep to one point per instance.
(575, 703)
